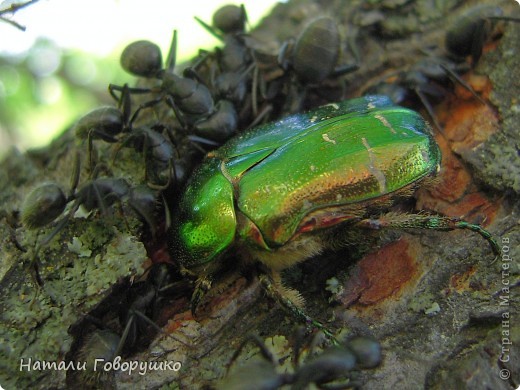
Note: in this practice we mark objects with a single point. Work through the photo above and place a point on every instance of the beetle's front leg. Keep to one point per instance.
(425, 221)
(202, 286)
(273, 291)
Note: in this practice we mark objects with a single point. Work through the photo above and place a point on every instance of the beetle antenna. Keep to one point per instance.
(209, 29)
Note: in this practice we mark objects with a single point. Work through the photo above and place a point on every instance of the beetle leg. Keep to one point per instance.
(202, 286)
(424, 221)
(274, 293)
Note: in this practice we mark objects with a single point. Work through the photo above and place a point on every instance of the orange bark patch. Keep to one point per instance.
(454, 180)
(381, 275)
(178, 321)
(473, 207)
(460, 282)
(467, 123)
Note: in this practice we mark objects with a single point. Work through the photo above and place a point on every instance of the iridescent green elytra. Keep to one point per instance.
(270, 191)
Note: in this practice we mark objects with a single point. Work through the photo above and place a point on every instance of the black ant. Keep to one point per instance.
(331, 368)
(138, 309)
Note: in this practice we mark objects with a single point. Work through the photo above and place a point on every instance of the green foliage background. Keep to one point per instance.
(47, 89)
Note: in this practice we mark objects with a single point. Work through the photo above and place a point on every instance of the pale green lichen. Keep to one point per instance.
(278, 345)
(433, 309)
(97, 233)
(334, 286)
(77, 247)
(422, 303)
(36, 321)
(170, 386)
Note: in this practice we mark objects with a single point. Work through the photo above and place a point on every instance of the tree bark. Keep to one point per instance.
(441, 308)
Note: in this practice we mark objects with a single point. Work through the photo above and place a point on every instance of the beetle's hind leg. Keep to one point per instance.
(427, 221)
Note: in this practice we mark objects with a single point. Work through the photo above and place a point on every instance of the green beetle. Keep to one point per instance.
(272, 191)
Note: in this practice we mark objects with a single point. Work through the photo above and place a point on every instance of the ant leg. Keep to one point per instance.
(429, 108)
(112, 88)
(124, 336)
(74, 177)
(263, 114)
(461, 81)
(170, 102)
(266, 354)
(157, 327)
(148, 104)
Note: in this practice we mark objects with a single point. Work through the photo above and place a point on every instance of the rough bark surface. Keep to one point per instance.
(441, 308)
